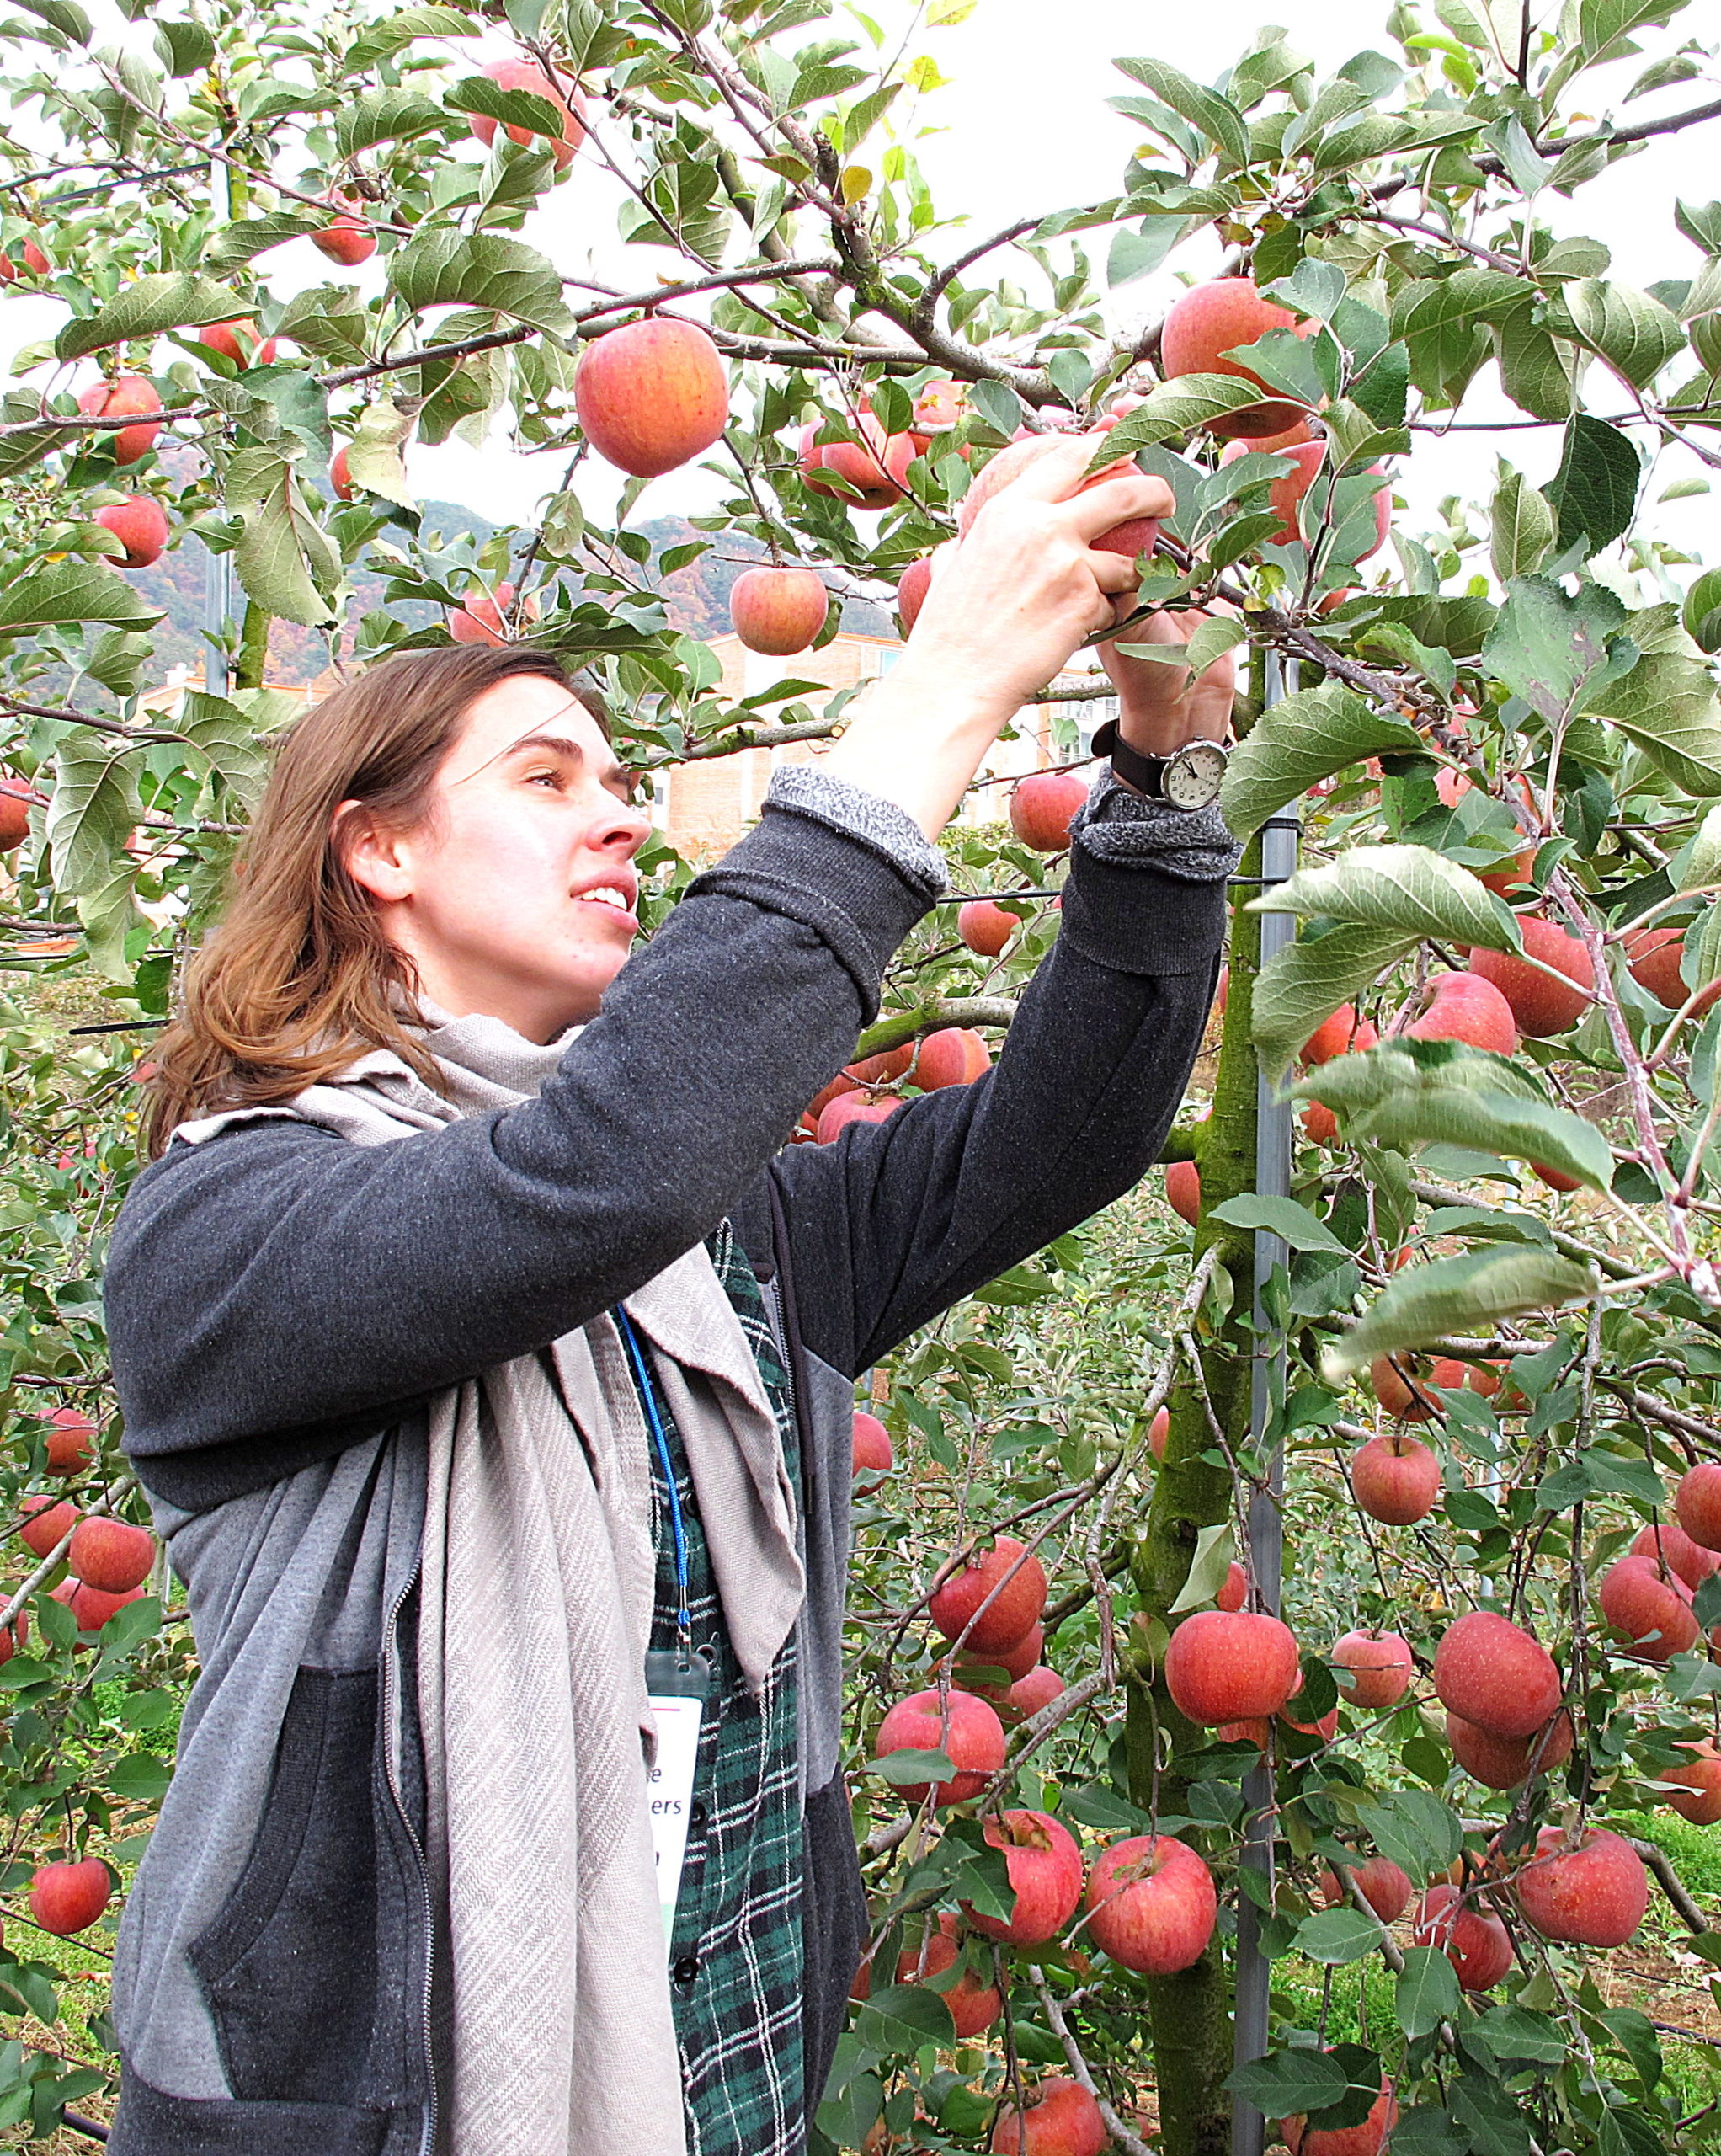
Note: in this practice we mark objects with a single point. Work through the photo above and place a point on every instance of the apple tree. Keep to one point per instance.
(1334, 1851)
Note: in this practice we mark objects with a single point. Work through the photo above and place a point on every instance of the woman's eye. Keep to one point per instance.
(544, 778)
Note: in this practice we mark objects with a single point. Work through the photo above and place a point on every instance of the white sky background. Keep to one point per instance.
(1024, 128)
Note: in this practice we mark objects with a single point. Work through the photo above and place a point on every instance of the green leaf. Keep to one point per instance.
(1336, 1936)
(1408, 889)
(1536, 369)
(1703, 864)
(1299, 740)
(374, 460)
(902, 2018)
(1513, 2032)
(1634, 334)
(908, 1769)
(235, 246)
(1207, 1569)
(149, 306)
(1667, 704)
(184, 48)
(224, 738)
(1701, 223)
(1283, 1217)
(1467, 297)
(512, 107)
(1455, 1295)
(140, 1778)
(390, 115)
(65, 593)
(1307, 980)
(382, 40)
(1548, 646)
(1408, 1093)
(1288, 2082)
(1604, 27)
(1415, 1829)
(1427, 1991)
(93, 809)
(1215, 116)
(285, 561)
(1521, 526)
(1594, 492)
(485, 270)
(1175, 407)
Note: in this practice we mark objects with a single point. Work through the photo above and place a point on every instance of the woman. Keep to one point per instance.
(491, 1370)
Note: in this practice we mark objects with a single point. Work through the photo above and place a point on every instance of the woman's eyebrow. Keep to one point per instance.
(560, 744)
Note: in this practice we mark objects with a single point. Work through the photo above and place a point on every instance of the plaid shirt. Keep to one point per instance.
(735, 1958)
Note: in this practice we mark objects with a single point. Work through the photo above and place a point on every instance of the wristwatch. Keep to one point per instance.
(1189, 778)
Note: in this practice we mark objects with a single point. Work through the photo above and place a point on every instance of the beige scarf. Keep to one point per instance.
(537, 1592)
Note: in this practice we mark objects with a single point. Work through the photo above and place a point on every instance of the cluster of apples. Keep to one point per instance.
(108, 1559)
(953, 1055)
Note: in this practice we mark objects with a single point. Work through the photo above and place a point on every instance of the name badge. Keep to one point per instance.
(677, 1687)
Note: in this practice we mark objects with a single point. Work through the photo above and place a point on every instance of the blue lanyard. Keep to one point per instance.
(683, 1616)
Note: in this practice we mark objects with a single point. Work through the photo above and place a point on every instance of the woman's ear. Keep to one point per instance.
(373, 855)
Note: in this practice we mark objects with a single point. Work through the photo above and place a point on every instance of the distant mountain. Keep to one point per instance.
(696, 598)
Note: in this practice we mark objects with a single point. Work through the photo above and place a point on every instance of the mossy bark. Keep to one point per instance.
(1190, 2014)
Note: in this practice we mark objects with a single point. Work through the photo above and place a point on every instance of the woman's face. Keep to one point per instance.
(517, 895)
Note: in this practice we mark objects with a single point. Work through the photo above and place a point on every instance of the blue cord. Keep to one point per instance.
(684, 1615)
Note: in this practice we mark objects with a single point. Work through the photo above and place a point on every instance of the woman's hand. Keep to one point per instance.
(1159, 707)
(1006, 608)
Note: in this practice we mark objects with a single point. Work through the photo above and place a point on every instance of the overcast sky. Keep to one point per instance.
(1024, 128)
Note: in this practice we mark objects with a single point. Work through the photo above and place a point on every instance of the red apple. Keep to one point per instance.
(111, 1555)
(779, 611)
(89, 1605)
(141, 526)
(1136, 535)
(912, 588)
(1342, 1034)
(1465, 1007)
(1183, 1190)
(15, 1636)
(528, 75)
(1233, 1591)
(70, 1441)
(1368, 2139)
(1698, 1798)
(1652, 1608)
(954, 1056)
(1225, 1666)
(1284, 495)
(1152, 1904)
(1065, 2122)
(1669, 1544)
(1385, 1888)
(1541, 1007)
(855, 1107)
(965, 1729)
(1396, 1478)
(1592, 1892)
(340, 477)
(480, 616)
(1213, 319)
(1042, 807)
(1045, 1868)
(873, 1457)
(1655, 957)
(651, 396)
(986, 928)
(1508, 1762)
(1030, 1693)
(224, 337)
(35, 265)
(1372, 1669)
(1698, 1501)
(69, 1897)
(1320, 1126)
(1159, 1433)
(127, 393)
(1474, 1940)
(346, 239)
(1009, 1580)
(1493, 1673)
(1403, 1388)
(17, 798)
(47, 1521)
(870, 473)
(974, 2004)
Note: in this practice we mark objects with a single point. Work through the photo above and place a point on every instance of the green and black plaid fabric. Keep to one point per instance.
(735, 1961)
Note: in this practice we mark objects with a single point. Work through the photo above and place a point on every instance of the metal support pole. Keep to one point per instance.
(1266, 1548)
(217, 604)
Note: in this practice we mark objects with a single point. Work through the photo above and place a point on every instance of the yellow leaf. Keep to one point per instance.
(923, 74)
(855, 181)
(944, 15)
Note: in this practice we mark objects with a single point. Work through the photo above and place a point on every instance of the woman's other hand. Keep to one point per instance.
(1160, 706)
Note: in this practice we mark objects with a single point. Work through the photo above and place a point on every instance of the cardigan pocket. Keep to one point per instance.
(289, 1968)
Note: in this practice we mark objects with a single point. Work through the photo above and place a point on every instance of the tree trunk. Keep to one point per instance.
(1190, 2012)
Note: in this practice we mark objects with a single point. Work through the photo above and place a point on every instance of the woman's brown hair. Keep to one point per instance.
(299, 979)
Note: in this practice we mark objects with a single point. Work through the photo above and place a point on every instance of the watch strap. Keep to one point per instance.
(1144, 773)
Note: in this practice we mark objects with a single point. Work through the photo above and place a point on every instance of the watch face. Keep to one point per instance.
(1195, 775)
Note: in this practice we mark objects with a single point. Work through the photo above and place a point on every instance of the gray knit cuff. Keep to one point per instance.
(1117, 824)
(842, 806)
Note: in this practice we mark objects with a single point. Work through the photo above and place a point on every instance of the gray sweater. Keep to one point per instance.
(281, 1305)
